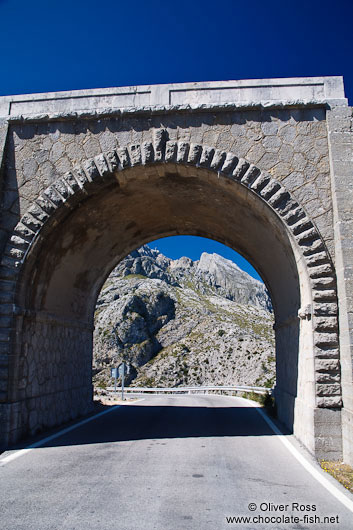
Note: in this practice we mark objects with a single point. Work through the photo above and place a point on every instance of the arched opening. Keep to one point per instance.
(78, 248)
(180, 311)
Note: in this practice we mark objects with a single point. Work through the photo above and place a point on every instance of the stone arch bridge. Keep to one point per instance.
(263, 166)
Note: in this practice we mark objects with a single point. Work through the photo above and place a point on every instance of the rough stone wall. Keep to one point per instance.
(340, 126)
(291, 145)
(54, 376)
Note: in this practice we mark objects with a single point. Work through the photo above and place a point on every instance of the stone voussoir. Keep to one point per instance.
(91, 170)
(45, 204)
(327, 365)
(147, 152)
(18, 242)
(194, 155)
(308, 235)
(328, 323)
(270, 189)
(320, 271)
(62, 188)
(80, 177)
(325, 282)
(334, 402)
(102, 165)
(312, 246)
(286, 206)
(135, 154)
(36, 211)
(71, 182)
(294, 215)
(113, 160)
(123, 157)
(183, 150)
(14, 252)
(279, 198)
(10, 263)
(325, 309)
(240, 169)
(251, 174)
(160, 137)
(218, 159)
(229, 164)
(53, 196)
(31, 222)
(326, 339)
(206, 156)
(319, 258)
(325, 351)
(301, 226)
(329, 389)
(171, 149)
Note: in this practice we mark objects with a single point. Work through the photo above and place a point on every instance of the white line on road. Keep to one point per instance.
(318, 475)
(22, 452)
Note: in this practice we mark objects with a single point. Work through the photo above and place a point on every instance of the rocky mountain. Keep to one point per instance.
(180, 322)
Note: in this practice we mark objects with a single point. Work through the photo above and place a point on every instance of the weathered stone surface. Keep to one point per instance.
(91, 170)
(251, 174)
(143, 315)
(207, 156)
(159, 140)
(325, 309)
(325, 295)
(170, 151)
(240, 169)
(135, 154)
(194, 153)
(183, 149)
(218, 159)
(333, 389)
(123, 156)
(296, 157)
(326, 339)
(327, 351)
(112, 160)
(101, 164)
(327, 365)
(329, 402)
(326, 323)
(229, 163)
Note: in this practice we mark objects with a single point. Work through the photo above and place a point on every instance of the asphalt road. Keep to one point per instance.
(165, 463)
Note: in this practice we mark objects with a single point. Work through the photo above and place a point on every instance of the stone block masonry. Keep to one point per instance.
(264, 166)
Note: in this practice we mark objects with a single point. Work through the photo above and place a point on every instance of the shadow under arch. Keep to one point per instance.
(88, 220)
(67, 265)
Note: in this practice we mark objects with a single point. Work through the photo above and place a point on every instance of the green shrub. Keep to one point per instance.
(266, 400)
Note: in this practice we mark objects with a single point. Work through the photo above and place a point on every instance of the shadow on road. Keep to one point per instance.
(156, 422)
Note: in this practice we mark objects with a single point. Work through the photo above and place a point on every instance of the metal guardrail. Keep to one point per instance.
(192, 389)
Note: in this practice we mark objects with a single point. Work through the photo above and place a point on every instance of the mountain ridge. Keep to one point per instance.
(183, 321)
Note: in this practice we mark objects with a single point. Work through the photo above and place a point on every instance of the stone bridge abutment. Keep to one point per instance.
(263, 167)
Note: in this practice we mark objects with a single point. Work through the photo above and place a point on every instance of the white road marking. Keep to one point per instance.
(317, 474)
(22, 452)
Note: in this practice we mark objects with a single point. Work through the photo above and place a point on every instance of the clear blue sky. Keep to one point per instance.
(193, 246)
(66, 45)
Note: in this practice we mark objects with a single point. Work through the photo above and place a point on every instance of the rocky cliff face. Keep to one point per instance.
(179, 322)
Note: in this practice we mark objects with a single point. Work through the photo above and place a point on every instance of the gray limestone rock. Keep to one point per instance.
(183, 322)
